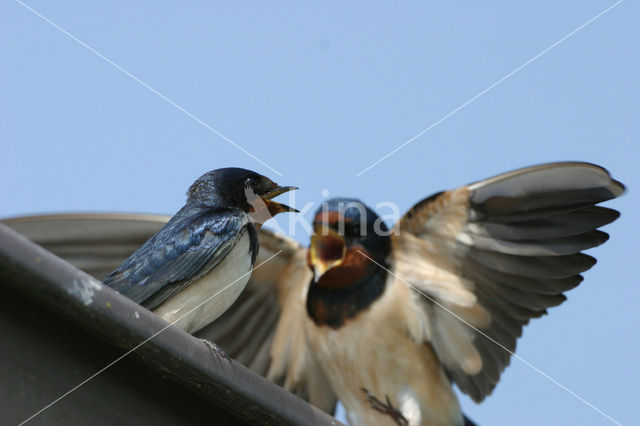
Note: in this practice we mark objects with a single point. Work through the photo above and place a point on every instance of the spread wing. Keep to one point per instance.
(95, 243)
(497, 253)
(187, 247)
(263, 329)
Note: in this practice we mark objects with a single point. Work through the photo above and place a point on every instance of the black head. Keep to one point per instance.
(348, 255)
(345, 230)
(239, 188)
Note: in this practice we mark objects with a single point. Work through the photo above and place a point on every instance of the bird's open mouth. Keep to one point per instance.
(327, 250)
(275, 207)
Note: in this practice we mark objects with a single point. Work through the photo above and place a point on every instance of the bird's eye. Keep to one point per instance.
(250, 182)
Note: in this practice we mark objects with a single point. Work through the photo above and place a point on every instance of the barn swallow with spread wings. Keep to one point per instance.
(210, 244)
(387, 320)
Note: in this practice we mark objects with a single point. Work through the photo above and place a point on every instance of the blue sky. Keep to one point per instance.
(321, 92)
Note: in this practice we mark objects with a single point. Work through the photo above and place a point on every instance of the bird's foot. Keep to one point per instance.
(386, 408)
(217, 350)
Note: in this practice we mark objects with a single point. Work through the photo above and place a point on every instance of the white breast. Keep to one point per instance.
(376, 350)
(207, 298)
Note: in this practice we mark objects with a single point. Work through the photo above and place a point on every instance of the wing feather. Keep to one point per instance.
(185, 248)
(549, 227)
(95, 243)
(497, 253)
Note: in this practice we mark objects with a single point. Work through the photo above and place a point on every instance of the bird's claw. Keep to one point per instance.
(217, 350)
(386, 408)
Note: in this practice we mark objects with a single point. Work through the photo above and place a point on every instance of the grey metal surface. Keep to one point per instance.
(62, 326)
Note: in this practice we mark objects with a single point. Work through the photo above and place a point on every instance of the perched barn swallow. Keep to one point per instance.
(209, 244)
(387, 319)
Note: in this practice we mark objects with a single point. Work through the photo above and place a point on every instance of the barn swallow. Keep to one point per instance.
(386, 320)
(209, 244)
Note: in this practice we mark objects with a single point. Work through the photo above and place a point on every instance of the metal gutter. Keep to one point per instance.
(55, 288)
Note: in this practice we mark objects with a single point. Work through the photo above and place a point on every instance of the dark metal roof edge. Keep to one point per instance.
(49, 280)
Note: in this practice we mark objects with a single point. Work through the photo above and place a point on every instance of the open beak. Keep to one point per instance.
(275, 207)
(327, 250)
